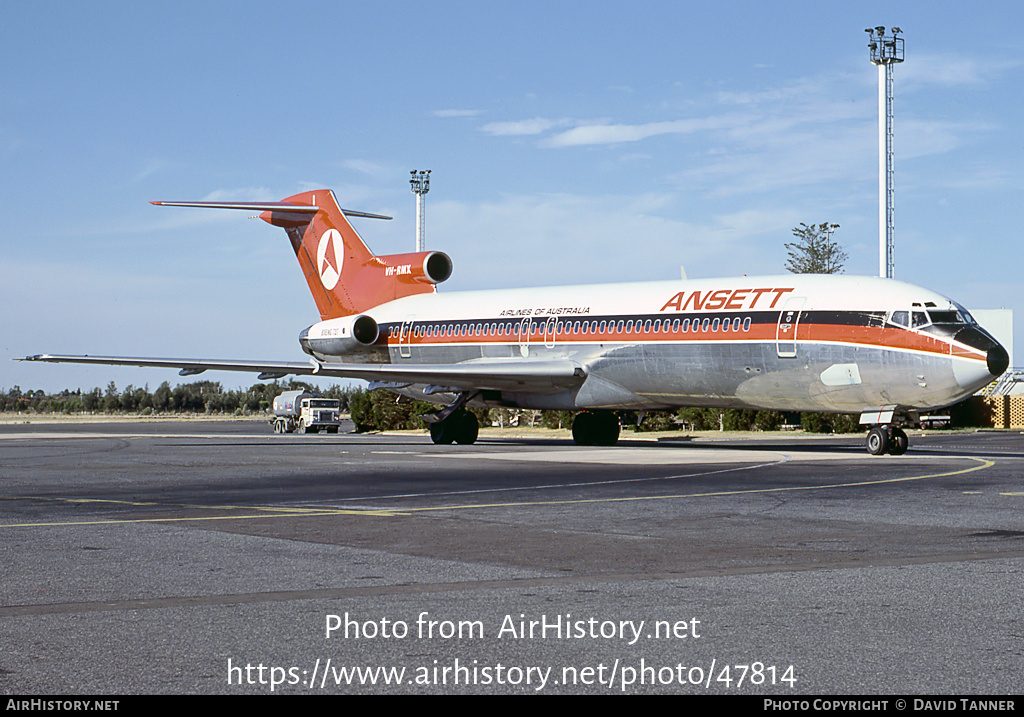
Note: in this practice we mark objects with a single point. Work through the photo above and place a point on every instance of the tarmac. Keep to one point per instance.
(215, 557)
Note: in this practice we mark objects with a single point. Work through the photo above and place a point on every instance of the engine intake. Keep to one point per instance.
(338, 337)
(421, 267)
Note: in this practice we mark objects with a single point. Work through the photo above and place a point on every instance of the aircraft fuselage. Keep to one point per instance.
(792, 342)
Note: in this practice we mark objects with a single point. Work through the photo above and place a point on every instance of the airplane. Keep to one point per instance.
(880, 348)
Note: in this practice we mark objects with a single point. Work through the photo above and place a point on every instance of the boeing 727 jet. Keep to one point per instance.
(879, 348)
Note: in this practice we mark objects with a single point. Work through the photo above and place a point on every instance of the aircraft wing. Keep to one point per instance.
(495, 374)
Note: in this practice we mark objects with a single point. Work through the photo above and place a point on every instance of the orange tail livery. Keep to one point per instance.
(344, 276)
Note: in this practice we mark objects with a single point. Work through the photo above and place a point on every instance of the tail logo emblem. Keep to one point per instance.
(328, 259)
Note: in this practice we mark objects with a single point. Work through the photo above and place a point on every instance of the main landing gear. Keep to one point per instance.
(460, 426)
(887, 439)
(592, 428)
(453, 423)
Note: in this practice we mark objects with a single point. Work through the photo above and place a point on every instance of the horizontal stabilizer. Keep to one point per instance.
(289, 207)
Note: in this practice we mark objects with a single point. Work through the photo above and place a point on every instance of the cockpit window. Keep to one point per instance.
(900, 318)
(919, 319)
(946, 317)
(964, 314)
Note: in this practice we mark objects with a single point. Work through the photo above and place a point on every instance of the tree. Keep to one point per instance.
(814, 252)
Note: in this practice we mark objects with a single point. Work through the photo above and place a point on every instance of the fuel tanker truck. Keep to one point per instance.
(305, 412)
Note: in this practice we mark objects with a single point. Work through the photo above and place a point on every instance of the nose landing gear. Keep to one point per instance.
(886, 434)
(887, 439)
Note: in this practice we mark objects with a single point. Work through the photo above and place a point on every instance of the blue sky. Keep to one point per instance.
(570, 142)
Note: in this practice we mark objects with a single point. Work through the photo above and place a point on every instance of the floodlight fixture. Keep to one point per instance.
(420, 183)
(885, 51)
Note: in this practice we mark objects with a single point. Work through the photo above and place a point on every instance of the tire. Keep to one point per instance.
(466, 428)
(878, 441)
(583, 429)
(608, 429)
(898, 442)
(441, 433)
(591, 428)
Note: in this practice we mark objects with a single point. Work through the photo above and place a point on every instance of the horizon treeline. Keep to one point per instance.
(207, 397)
(380, 410)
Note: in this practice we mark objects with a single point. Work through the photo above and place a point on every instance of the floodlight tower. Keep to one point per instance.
(420, 182)
(886, 51)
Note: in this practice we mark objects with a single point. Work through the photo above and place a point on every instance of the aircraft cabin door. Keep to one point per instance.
(525, 327)
(405, 338)
(789, 322)
(550, 332)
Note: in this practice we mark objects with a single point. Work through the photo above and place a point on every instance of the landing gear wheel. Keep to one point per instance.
(595, 429)
(878, 441)
(898, 442)
(467, 428)
(583, 429)
(441, 433)
(460, 427)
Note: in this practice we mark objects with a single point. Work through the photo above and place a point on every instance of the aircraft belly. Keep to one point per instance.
(752, 375)
(831, 377)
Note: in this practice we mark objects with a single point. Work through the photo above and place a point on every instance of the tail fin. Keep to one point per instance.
(343, 275)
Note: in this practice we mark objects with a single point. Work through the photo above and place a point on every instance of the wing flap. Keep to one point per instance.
(501, 375)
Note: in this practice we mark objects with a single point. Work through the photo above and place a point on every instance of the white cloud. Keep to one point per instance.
(152, 167)
(537, 125)
(554, 239)
(950, 70)
(459, 113)
(617, 133)
(372, 169)
(920, 137)
(244, 194)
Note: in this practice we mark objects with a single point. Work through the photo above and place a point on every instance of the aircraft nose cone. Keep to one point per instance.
(970, 373)
(997, 360)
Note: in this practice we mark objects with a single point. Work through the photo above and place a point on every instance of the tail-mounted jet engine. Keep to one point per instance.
(338, 337)
(423, 267)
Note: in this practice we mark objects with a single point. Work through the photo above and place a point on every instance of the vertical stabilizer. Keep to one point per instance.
(343, 275)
